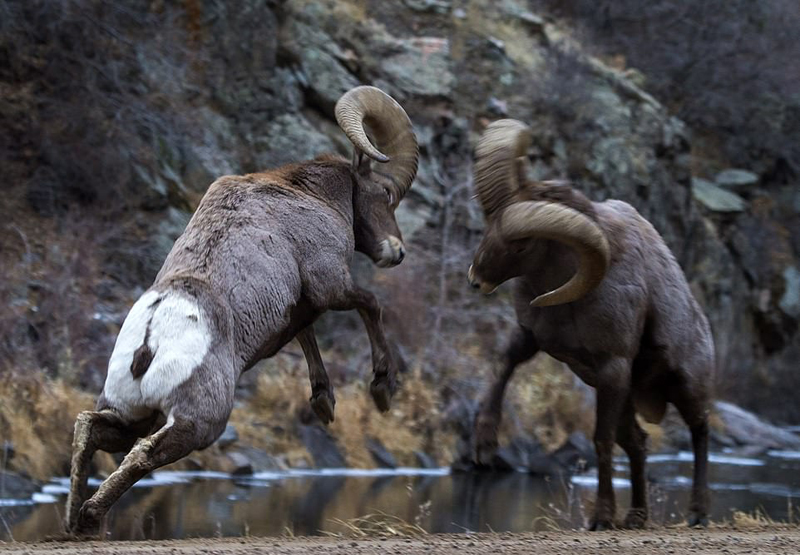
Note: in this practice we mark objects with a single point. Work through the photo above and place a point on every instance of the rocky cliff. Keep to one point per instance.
(117, 117)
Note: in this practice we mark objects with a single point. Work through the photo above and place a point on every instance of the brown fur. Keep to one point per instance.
(639, 338)
(263, 256)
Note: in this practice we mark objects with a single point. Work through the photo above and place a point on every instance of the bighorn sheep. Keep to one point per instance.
(263, 256)
(598, 289)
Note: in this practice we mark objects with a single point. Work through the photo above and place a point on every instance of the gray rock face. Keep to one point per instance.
(421, 67)
(716, 198)
(319, 57)
(288, 138)
(258, 91)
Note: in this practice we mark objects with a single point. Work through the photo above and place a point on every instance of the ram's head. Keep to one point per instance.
(516, 226)
(383, 168)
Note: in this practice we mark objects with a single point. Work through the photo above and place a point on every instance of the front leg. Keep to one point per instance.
(613, 388)
(384, 363)
(322, 400)
(521, 347)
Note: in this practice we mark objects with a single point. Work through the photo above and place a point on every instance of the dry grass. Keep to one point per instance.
(656, 437)
(546, 403)
(268, 419)
(413, 423)
(755, 519)
(376, 525)
(37, 416)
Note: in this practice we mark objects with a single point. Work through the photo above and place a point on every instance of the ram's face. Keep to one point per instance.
(374, 225)
(498, 259)
(489, 266)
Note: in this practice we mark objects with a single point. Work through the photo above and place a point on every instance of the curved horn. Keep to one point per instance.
(548, 220)
(497, 166)
(394, 136)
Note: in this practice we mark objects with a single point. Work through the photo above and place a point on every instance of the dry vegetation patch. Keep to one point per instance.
(37, 417)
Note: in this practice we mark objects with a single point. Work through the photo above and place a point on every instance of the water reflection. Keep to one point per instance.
(306, 503)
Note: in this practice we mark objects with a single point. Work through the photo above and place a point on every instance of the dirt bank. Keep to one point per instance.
(765, 541)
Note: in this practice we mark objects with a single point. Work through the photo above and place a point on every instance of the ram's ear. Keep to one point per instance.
(362, 165)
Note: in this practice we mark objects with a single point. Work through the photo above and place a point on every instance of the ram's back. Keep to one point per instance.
(676, 340)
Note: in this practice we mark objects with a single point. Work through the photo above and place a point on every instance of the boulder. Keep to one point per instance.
(716, 198)
(790, 301)
(429, 6)
(577, 453)
(735, 178)
(228, 437)
(322, 447)
(382, 457)
(8, 451)
(239, 464)
(424, 460)
(522, 454)
(744, 428)
(16, 486)
(259, 459)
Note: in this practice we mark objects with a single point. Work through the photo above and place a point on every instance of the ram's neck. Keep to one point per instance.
(329, 179)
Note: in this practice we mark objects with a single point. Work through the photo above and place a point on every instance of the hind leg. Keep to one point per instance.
(104, 430)
(633, 441)
(698, 509)
(181, 435)
(693, 405)
(693, 408)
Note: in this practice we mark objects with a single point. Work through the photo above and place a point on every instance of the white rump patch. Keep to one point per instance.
(179, 339)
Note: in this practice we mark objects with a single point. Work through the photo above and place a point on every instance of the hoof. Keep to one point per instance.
(601, 525)
(697, 519)
(636, 519)
(323, 402)
(381, 392)
(88, 522)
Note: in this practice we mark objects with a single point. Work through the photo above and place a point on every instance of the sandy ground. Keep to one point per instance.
(768, 540)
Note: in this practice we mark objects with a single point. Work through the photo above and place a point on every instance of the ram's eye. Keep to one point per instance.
(389, 196)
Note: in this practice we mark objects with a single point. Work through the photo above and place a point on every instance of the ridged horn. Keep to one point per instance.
(395, 143)
(498, 165)
(549, 220)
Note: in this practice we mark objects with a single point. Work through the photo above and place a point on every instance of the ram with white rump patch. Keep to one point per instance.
(263, 256)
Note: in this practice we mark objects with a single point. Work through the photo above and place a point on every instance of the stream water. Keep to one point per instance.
(185, 504)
